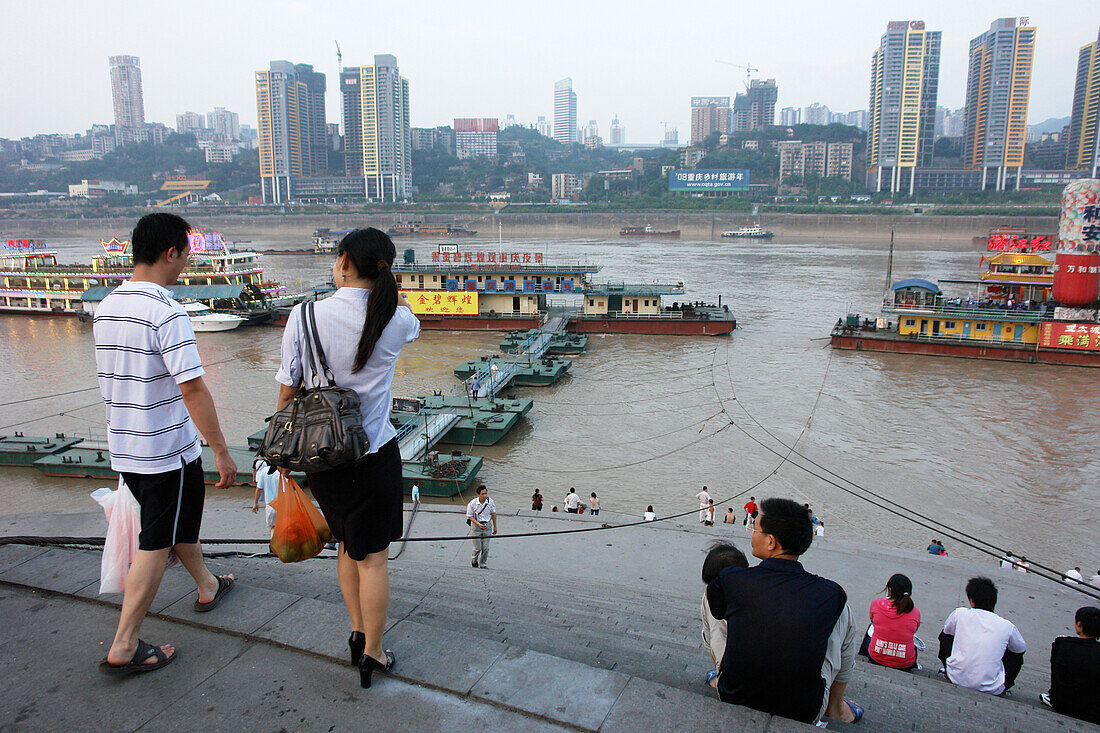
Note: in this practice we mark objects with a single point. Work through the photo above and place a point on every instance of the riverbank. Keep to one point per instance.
(795, 228)
(590, 631)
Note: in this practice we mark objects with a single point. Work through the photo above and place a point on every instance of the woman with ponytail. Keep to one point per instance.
(895, 619)
(362, 328)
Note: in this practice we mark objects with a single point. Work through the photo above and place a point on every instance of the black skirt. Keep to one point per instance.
(363, 503)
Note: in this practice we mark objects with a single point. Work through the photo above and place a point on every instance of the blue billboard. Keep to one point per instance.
(708, 180)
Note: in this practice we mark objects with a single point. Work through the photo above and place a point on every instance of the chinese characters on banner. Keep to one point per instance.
(492, 259)
(437, 303)
(1018, 243)
(1070, 336)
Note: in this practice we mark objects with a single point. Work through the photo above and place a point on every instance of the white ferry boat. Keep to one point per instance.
(33, 281)
(752, 232)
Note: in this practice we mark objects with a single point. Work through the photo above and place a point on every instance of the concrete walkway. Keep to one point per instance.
(593, 631)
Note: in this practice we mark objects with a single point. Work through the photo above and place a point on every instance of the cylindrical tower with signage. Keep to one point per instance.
(1077, 262)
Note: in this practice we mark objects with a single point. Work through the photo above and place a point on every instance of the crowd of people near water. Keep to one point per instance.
(783, 641)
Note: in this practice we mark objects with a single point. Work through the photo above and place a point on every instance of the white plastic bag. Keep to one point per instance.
(123, 528)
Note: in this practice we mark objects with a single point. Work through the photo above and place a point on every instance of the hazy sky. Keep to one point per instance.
(641, 59)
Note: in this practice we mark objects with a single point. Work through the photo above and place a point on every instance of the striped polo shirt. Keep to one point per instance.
(144, 349)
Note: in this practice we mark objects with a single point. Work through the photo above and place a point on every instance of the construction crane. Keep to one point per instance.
(749, 68)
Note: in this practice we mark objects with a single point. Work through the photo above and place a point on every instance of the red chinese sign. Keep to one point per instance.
(1083, 336)
(1020, 243)
(494, 259)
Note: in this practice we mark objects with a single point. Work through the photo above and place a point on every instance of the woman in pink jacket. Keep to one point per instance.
(895, 619)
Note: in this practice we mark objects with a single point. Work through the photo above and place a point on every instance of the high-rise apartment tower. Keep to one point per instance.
(128, 99)
(905, 72)
(998, 86)
(377, 134)
(1083, 146)
(709, 115)
(565, 112)
(290, 115)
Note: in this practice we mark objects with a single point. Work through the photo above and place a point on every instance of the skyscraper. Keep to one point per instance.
(377, 134)
(762, 97)
(789, 116)
(709, 115)
(615, 132)
(476, 136)
(905, 72)
(1083, 146)
(129, 102)
(565, 112)
(998, 87)
(286, 111)
(315, 136)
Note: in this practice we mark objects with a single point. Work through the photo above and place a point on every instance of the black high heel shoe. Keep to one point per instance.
(356, 642)
(367, 665)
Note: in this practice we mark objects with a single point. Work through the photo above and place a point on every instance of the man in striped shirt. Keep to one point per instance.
(150, 375)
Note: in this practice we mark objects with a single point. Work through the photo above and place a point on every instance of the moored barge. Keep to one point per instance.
(507, 291)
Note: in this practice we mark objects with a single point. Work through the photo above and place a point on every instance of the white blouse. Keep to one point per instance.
(339, 320)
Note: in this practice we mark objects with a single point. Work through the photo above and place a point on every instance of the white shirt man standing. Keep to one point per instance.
(415, 493)
(480, 512)
(704, 499)
(572, 501)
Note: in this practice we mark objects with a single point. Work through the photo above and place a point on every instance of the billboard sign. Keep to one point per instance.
(438, 303)
(710, 101)
(708, 180)
(1081, 336)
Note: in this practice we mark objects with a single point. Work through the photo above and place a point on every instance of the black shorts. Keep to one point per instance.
(171, 505)
(363, 504)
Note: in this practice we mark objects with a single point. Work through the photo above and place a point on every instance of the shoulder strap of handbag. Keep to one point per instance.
(313, 341)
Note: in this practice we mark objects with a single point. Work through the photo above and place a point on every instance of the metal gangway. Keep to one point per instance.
(489, 383)
(416, 437)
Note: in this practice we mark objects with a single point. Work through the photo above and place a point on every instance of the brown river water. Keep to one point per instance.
(1006, 452)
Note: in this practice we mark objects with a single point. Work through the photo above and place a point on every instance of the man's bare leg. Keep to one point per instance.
(837, 709)
(142, 582)
(190, 555)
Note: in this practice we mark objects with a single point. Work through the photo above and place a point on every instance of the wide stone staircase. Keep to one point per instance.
(556, 644)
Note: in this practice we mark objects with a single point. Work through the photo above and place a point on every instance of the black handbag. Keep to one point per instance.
(321, 428)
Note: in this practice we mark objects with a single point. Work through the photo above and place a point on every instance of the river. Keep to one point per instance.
(1005, 451)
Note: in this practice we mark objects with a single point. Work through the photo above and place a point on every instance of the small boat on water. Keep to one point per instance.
(647, 231)
(423, 229)
(204, 318)
(752, 232)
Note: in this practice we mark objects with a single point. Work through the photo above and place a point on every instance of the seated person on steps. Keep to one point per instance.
(790, 646)
(722, 555)
(979, 649)
(1075, 669)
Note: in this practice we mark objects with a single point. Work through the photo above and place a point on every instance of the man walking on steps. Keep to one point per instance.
(150, 375)
(480, 513)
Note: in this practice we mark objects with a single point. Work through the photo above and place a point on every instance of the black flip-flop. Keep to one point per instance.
(224, 584)
(137, 663)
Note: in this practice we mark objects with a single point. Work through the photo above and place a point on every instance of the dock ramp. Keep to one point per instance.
(416, 437)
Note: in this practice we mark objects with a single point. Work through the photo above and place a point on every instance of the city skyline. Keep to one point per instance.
(455, 61)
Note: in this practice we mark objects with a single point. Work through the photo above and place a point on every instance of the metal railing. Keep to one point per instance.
(1028, 315)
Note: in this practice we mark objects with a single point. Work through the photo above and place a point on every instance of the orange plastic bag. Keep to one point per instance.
(300, 531)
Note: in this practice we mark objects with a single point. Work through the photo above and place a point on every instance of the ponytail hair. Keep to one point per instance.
(899, 590)
(371, 252)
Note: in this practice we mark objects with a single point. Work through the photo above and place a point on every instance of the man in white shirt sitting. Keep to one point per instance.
(979, 649)
(1073, 576)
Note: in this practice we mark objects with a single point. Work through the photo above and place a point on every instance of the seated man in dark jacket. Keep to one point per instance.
(1075, 669)
(790, 645)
